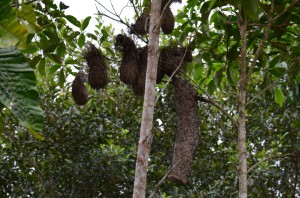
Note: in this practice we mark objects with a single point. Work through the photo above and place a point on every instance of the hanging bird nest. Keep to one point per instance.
(173, 57)
(187, 131)
(141, 26)
(168, 23)
(79, 91)
(97, 77)
(129, 69)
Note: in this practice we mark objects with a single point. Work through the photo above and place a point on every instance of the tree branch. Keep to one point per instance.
(267, 159)
(211, 101)
(163, 179)
(25, 3)
(285, 10)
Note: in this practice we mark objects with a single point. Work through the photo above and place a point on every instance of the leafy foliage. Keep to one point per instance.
(90, 151)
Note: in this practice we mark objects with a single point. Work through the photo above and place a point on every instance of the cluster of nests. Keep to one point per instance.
(97, 76)
(134, 62)
(141, 26)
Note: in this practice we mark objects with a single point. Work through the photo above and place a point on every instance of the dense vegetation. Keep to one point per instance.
(90, 150)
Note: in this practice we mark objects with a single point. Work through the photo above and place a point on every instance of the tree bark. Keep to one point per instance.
(146, 134)
(241, 114)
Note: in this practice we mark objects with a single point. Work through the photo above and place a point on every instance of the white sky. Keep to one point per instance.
(84, 8)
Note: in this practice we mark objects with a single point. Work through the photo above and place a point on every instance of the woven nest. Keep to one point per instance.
(167, 25)
(173, 57)
(141, 26)
(79, 91)
(129, 69)
(187, 131)
(97, 77)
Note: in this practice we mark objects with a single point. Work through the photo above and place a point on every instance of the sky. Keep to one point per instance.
(84, 8)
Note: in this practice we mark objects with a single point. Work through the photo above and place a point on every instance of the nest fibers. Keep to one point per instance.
(129, 69)
(172, 58)
(79, 91)
(97, 77)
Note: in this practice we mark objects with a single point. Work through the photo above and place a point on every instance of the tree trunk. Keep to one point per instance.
(241, 114)
(146, 135)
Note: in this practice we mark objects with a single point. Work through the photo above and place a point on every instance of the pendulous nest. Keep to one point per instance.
(187, 131)
(129, 69)
(79, 91)
(141, 26)
(97, 77)
(167, 25)
(173, 57)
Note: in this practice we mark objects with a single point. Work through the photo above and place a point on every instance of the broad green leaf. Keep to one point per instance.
(295, 124)
(85, 23)
(61, 78)
(12, 33)
(250, 8)
(81, 40)
(279, 97)
(18, 90)
(42, 67)
(54, 68)
(104, 35)
(73, 20)
(211, 3)
(27, 13)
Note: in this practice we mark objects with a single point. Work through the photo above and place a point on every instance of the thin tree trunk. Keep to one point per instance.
(146, 134)
(241, 114)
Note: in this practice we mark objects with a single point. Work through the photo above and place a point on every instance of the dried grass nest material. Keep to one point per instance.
(79, 92)
(97, 76)
(129, 69)
(173, 57)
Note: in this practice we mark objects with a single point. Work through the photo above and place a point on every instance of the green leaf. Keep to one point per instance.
(104, 35)
(12, 33)
(250, 8)
(295, 124)
(28, 14)
(81, 40)
(85, 23)
(211, 3)
(279, 97)
(61, 78)
(54, 68)
(42, 67)
(18, 90)
(35, 61)
(73, 20)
